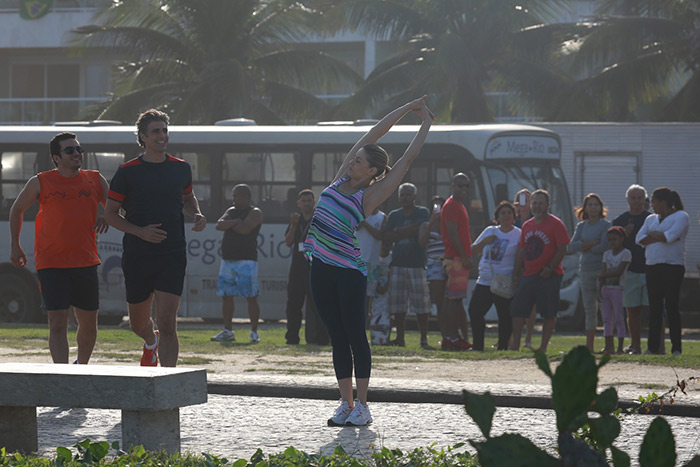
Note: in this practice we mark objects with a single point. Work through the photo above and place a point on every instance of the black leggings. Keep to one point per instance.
(479, 305)
(664, 288)
(339, 294)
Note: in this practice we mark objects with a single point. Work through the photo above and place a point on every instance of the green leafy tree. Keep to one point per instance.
(633, 53)
(207, 60)
(454, 51)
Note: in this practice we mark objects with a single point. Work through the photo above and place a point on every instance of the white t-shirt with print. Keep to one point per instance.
(499, 255)
(612, 261)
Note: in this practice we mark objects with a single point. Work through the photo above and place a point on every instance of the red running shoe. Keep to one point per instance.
(150, 356)
(461, 345)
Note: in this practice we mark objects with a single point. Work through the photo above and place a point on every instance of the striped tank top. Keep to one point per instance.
(331, 238)
(435, 248)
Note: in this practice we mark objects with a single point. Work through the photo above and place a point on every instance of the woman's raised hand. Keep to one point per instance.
(417, 104)
(426, 114)
(421, 109)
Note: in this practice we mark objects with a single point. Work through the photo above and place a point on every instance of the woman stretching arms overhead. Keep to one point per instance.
(338, 273)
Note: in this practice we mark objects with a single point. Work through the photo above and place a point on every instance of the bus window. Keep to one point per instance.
(324, 167)
(257, 167)
(15, 169)
(201, 180)
(533, 177)
(276, 202)
(479, 217)
(272, 177)
(106, 163)
(199, 163)
(419, 177)
(443, 182)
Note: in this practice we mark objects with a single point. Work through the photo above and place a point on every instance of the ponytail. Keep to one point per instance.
(677, 202)
(670, 197)
(378, 158)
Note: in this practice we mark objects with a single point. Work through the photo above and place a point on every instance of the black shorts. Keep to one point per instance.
(535, 290)
(63, 287)
(145, 273)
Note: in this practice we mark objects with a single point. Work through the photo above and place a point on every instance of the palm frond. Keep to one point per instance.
(307, 69)
(386, 18)
(132, 41)
(685, 105)
(262, 114)
(284, 21)
(126, 107)
(618, 38)
(293, 104)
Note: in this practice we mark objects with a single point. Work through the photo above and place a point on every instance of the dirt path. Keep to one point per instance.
(630, 378)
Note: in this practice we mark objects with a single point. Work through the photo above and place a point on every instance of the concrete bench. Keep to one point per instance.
(149, 398)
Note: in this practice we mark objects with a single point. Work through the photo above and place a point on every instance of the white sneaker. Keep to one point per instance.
(224, 336)
(360, 415)
(341, 414)
(254, 338)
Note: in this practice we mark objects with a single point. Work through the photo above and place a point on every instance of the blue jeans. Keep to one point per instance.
(339, 294)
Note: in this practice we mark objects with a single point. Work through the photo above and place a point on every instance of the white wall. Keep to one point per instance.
(669, 155)
(50, 31)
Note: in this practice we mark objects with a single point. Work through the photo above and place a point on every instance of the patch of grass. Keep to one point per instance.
(289, 371)
(192, 360)
(197, 341)
(118, 356)
(652, 386)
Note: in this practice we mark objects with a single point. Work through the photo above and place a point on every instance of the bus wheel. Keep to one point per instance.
(19, 301)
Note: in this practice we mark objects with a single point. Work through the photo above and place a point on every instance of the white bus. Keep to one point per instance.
(276, 162)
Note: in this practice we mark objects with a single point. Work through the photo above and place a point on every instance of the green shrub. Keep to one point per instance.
(583, 439)
(91, 454)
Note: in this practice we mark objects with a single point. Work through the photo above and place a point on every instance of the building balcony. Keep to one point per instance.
(42, 111)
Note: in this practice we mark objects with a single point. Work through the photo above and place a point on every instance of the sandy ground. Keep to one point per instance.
(630, 378)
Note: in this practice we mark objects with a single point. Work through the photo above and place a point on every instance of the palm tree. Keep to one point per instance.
(207, 60)
(633, 53)
(451, 50)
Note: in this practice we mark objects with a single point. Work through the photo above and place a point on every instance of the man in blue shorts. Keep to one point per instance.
(153, 190)
(238, 275)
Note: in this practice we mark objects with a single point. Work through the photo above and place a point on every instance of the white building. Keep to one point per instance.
(43, 79)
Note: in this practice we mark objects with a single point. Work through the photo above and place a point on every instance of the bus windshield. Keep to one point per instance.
(506, 181)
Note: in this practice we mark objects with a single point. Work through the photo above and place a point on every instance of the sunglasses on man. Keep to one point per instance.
(70, 150)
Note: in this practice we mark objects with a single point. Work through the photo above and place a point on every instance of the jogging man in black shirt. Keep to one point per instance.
(153, 190)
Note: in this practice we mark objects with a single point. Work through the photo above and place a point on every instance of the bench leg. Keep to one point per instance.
(18, 429)
(155, 430)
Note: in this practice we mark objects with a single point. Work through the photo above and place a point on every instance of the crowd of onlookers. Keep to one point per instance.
(420, 259)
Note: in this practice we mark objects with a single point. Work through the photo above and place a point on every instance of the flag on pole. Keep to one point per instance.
(33, 9)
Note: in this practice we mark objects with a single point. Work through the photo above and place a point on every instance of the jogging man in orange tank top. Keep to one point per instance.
(65, 247)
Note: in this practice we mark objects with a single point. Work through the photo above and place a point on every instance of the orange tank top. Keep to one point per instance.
(64, 228)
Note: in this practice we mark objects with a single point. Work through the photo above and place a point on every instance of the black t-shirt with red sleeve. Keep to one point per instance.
(151, 193)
